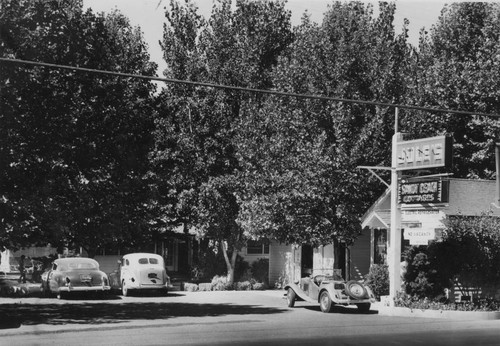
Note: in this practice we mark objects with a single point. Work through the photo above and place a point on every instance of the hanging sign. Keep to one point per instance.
(425, 153)
(425, 191)
(419, 236)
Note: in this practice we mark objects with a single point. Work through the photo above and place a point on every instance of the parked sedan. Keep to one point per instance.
(140, 271)
(74, 274)
(330, 290)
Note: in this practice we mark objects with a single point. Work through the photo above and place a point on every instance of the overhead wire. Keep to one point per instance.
(249, 90)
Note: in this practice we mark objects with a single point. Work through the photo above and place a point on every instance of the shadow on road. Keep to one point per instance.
(13, 315)
(339, 309)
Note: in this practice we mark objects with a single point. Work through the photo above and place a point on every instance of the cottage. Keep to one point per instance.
(424, 206)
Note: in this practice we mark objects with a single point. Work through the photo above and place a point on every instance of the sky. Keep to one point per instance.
(149, 16)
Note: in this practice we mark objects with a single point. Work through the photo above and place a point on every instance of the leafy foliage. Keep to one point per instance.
(475, 251)
(194, 160)
(73, 146)
(300, 157)
(456, 68)
(468, 256)
(378, 279)
(421, 273)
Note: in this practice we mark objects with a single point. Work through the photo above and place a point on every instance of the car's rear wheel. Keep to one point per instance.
(325, 302)
(125, 291)
(290, 298)
(364, 307)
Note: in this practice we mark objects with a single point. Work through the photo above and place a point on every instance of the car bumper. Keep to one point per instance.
(84, 288)
(349, 301)
(150, 287)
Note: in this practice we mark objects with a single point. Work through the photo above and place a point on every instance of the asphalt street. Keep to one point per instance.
(222, 318)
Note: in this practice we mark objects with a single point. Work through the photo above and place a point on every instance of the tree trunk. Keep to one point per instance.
(230, 263)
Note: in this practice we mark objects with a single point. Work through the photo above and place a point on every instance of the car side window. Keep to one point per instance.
(127, 262)
(143, 261)
(54, 266)
(153, 261)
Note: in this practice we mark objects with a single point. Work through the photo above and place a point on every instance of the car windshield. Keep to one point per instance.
(76, 266)
(148, 260)
(335, 277)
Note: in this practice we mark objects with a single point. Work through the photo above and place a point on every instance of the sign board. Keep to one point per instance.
(424, 153)
(423, 191)
(419, 236)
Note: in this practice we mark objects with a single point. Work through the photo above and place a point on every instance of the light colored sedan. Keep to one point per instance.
(74, 274)
(140, 271)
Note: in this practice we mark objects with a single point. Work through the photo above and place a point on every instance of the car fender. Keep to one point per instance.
(127, 276)
(299, 292)
(54, 281)
(335, 294)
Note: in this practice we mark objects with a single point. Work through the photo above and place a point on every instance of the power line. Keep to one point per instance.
(249, 90)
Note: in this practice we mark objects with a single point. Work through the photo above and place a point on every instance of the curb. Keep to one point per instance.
(444, 314)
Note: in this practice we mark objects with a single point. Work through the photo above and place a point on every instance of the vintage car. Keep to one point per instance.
(140, 271)
(74, 274)
(329, 291)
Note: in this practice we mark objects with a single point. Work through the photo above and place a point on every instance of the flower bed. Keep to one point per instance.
(407, 306)
(219, 283)
(486, 305)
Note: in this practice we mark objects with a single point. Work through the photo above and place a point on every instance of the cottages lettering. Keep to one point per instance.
(421, 192)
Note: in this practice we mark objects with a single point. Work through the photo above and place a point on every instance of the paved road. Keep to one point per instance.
(222, 318)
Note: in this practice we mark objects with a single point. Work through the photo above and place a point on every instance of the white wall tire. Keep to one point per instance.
(325, 302)
(125, 290)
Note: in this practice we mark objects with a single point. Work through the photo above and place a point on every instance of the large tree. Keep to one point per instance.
(302, 155)
(73, 145)
(457, 67)
(195, 157)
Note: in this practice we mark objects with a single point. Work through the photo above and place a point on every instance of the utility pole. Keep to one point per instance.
(394, 250)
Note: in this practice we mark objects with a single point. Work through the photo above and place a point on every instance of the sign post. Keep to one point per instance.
(411, 155)
(394, 250)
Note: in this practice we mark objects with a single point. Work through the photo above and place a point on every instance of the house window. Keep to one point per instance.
(258, 247)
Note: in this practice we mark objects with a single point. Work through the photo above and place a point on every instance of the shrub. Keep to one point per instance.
(190, 287)
(241, 269)
(259, 286)
(378, 279)
(413, 302)
(243, 286)
(260, 270)
(220, 283)
(208, 265)
(422, 278)
(206, 286)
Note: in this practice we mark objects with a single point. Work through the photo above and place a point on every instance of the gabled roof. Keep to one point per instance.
(378, 215)
(467, 197)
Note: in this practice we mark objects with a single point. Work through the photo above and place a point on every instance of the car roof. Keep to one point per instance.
(140, 255)
(75, 260)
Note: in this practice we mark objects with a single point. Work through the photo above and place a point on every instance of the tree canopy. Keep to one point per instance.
(73, 146)
(90, 160)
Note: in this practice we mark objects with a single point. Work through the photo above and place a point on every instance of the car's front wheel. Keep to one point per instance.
(290, 298)
(325, 302)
